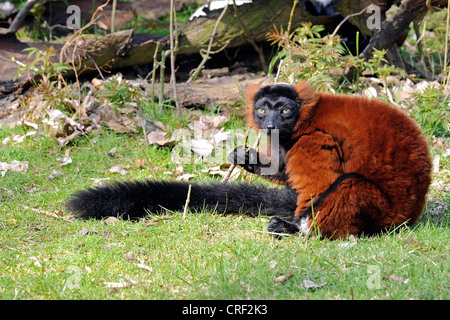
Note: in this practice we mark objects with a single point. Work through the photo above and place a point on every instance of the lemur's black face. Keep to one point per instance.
(276, 107)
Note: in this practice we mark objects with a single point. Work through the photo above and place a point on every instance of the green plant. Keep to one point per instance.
(119, 92)
(305, 54)
(47, 77)
(432, 111)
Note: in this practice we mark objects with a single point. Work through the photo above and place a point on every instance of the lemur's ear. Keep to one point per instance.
(307, 100)
(306, 94)
(250, 93)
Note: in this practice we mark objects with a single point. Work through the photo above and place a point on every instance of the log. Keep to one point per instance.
(259, 18)
(124, 48)
(207, 95)
(194, 35)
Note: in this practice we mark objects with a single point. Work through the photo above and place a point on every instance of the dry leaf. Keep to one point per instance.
(140, 163)
(18, 138)
(64, 161)
(97, 83)
(283, 278)
(122, 284)
(411, 242)
(56, 115)
(130, 255)
(6, 141)
(159, 138)
(202, 147)
(16, 166)
(86, 231)
(205, 123)
(55, 174)
(114, 244)
(346, 245)
(233, 176)
(36, 262)
(119, 169)
(220, 136)
(436, 161)
(370, 92)
(308, 284)
(185, 177)
(119, 126)
(396, 279)
(353, 242)
(110, 220)
(144, 266)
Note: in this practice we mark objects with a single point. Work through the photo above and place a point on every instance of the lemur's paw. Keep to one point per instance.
(281, 227)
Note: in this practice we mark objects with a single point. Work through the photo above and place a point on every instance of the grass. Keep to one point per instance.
(202, 256)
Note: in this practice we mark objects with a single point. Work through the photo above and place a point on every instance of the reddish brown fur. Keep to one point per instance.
(363, 136)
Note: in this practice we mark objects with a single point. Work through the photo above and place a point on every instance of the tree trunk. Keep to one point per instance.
(409, 10)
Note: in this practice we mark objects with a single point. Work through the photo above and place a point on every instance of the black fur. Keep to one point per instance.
(272, 101)
(136, 199)
(250, 160)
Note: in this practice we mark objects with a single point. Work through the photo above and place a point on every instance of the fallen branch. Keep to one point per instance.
(250, 39)
(47, 213)
(20, 17)
(346, 18)
(208, 51)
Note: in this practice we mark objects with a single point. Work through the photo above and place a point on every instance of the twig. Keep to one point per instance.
(150, 165)
(172, 59)
(290, 17)
(141, 113)
(275, 233)
(208, 51)
(47, 213)
(231, 168)
(188, 199)
(98, 69)
(155, 66)
(162, 66)
(346, 18)
(228, 174)
(256, 146)
(113, 15)
(250, 39)
(446, 42)
(278, 71)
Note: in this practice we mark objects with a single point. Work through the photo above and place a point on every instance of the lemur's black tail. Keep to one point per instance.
(136, 199)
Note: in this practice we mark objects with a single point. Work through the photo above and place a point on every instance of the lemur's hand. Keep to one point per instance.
(247, 158)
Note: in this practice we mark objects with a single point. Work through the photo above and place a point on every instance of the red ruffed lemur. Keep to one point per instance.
(349, 164)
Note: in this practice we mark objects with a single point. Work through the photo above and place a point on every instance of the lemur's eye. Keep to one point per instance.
(261, 110)
(286, 111)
